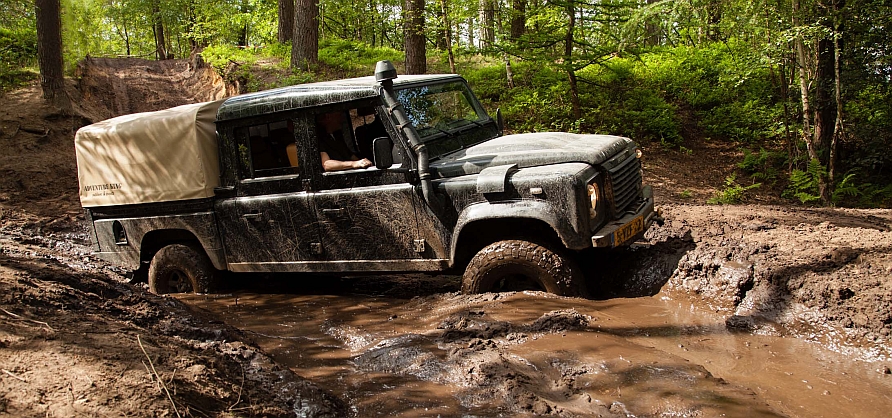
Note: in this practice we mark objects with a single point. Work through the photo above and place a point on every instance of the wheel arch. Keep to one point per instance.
(157, 239)
(482, 224)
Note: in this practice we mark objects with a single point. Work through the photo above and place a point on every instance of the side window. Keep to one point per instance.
(346, 134)
(267, 149)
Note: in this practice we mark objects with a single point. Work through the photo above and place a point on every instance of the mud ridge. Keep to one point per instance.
(818, 274)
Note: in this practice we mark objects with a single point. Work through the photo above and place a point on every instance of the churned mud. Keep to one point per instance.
(754, 310)
(75, 340)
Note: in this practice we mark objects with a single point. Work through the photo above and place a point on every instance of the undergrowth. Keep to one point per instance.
(733, 193)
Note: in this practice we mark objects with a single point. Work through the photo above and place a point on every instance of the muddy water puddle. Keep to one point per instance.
(530, 353)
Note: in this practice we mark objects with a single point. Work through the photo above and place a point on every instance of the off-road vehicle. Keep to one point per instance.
(182, 194)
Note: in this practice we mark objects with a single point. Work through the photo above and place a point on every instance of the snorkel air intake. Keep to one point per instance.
(385, 73)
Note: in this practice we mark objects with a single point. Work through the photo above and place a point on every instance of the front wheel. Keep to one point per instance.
(504, 264)
(181, 268)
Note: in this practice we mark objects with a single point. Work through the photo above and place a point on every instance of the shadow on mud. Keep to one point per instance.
(640, 270)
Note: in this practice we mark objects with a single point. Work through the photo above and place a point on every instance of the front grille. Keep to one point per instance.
(625, 180)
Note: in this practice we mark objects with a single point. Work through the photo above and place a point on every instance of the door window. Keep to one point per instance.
(267, 149)
(346, 134)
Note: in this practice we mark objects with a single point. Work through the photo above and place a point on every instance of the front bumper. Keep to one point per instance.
(627, 229)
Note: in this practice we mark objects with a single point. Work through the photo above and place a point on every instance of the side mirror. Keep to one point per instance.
(382, 148)
(500, 121)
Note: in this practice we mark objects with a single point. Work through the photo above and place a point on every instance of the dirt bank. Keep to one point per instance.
(822, 274)
(76, 340)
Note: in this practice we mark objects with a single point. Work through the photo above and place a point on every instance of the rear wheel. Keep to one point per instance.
(181, 268)
(505, 265)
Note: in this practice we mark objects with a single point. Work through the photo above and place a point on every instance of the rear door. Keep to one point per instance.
(269, 223)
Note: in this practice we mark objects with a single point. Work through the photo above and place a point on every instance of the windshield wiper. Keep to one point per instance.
(444, 132)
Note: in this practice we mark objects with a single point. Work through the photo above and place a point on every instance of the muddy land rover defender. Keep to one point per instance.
(179, 195)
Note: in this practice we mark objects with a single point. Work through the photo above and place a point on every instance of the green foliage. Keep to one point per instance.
(722, 84)
(18, 51)
(686, 194)
(295, 78)
(355, 56)
(220, 56)
(848, 191)
(763, 165)
(539, 101)
(718, 88)
(873, 195)
(805, 185)
(733, 193)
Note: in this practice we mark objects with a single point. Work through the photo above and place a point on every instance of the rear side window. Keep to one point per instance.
(267, 149)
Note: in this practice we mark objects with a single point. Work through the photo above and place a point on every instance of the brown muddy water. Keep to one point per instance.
(530, 353)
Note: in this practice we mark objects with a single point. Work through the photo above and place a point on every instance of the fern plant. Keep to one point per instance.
(733, 193)
(847, 188)
(806, 185)
(762, 165)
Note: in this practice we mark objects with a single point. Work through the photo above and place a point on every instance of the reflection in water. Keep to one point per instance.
(531, 353)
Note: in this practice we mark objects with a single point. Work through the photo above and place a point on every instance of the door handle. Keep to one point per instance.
(334, 212)
(252, 216)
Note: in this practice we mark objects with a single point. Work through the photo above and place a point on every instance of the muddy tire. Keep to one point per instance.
(181, 268)
(517, 260)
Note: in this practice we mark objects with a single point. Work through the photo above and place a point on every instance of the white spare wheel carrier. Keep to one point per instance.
(149, 157)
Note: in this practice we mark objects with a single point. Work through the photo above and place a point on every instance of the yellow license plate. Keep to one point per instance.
(628, 231)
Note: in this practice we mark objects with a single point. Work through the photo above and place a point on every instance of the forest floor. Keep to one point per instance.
(766, 308)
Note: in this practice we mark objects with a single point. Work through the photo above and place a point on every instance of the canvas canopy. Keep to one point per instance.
(160, 156)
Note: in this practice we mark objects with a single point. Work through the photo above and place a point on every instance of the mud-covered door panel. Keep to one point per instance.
(372, 223)
(270, 218)
(268, 229)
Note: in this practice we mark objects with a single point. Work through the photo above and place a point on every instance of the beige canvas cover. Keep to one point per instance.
(149, 157)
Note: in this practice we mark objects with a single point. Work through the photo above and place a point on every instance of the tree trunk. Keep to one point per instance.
(471, 31)
(509, 74)
(839, 126)
(305, 41)
(802, 64)
(158, 31)
(286, 20)
(447, 34)
(413, 22)
(568, 61)
(653, 29)
(441, 28)
(49, 52)
(487, 24)
(714, 11)
(825, 111)
(518, 18)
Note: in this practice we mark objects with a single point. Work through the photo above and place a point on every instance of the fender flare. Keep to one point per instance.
(535, 210)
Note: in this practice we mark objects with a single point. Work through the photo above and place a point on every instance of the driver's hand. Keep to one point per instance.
(363, 163)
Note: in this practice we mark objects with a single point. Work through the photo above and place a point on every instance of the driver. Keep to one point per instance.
(333, 150)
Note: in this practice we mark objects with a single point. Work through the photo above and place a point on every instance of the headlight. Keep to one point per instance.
(593, 193)
(638, 153)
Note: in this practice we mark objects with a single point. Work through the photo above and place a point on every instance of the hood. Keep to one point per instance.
(530, 150)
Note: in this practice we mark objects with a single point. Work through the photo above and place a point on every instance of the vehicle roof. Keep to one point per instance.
(314, 94)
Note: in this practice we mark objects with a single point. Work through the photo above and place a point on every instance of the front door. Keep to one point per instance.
(366, 216)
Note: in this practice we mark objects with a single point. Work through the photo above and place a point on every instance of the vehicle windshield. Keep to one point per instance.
(447, 116)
